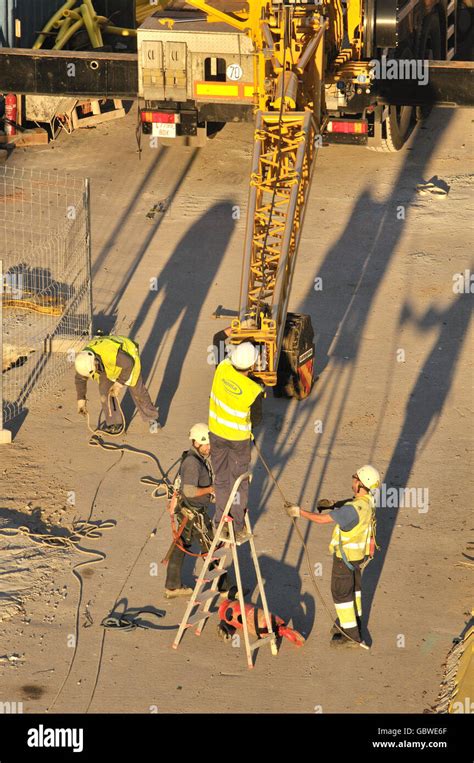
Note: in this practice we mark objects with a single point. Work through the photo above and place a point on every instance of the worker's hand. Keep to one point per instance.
(324, 504)
(82, 407)
(293, 511)
(115, 389)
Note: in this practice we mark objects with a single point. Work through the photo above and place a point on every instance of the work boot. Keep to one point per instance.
(112, 428)
(335, 629)
(173, 593)
(341, 641)
(241, 536)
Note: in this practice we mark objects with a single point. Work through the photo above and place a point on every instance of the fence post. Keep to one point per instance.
(87, 213)
(5, 434)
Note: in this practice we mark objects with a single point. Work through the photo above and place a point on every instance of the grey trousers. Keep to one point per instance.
(230, 459)
(140, 397)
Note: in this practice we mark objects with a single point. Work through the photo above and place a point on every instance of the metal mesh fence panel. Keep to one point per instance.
(46, 310)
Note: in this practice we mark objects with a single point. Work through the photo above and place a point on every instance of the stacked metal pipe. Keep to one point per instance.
(73, 16)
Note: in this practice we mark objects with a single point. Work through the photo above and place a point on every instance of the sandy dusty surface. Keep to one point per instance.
(387, 287)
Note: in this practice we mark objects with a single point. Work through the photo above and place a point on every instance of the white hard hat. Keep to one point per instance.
(243, 355)
(85, 363)
(369, 477)
(200, 433)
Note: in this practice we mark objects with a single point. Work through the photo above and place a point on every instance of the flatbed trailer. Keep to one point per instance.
(115, 75)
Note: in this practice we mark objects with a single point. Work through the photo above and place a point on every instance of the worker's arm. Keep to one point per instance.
(320, 519)
(81, 386)
(256, 411)
(191, 491)
(126, 363)
(345, 516)
(219, 343)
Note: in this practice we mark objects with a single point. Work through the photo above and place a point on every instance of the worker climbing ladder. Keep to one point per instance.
(224, 548)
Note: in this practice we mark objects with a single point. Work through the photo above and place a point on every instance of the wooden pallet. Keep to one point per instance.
(35, 137)
(97, 114)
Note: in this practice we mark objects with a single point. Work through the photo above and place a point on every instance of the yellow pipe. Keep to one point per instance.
(47, 28)
(70, 33)
(72, 14)
(64, 27)
(92, 12)
(94, 18)
(222, 15)
(120, 31)
(92, 27)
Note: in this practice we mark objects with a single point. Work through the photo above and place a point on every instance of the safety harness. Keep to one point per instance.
(186, 518)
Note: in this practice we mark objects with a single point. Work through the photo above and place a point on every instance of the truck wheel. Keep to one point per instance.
(213, 128)
(392, 127)
(398, 126)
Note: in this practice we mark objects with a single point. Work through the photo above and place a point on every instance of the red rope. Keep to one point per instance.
(177, 534)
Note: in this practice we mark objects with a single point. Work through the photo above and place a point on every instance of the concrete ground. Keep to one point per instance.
(393, 354)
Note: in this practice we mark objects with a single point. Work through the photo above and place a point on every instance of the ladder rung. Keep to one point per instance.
(210, 575)
(200, 615)
(206, 595)
(451, 7)
(262, 641)
(450, 54)
(245, 540)
(450, 31)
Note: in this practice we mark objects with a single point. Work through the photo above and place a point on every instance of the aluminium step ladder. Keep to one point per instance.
(223, 551)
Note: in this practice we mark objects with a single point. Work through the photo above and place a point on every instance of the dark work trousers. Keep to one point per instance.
(175, 565)
(140, 396)
(346, 594)
(230, 459)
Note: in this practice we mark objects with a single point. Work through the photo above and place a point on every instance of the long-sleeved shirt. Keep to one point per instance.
(124, 361)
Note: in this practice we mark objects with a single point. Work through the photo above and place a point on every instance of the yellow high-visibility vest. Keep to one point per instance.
(107, 347)
(232, 394)
(355, 542)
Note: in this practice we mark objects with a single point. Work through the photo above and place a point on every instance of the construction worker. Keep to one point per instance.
(352, 545)
(234, 408)
(114, 362)
(195, 495)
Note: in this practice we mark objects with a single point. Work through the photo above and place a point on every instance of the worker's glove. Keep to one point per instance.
(115, 389)
(82, 407)
(293, 511)
(324, 504)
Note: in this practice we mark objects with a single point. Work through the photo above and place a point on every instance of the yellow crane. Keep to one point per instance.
(312, 68)
(288, 74)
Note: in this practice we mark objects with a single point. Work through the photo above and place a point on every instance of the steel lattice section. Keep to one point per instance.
(280, 179)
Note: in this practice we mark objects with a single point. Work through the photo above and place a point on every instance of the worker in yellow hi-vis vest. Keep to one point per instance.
(352, 545)
(114, 362)
(234, 407)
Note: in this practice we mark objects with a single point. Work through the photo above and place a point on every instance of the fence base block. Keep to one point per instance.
(5, 437)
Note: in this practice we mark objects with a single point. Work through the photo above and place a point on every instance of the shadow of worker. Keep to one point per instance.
(423, 411)
(285, 598)
(183, 284)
